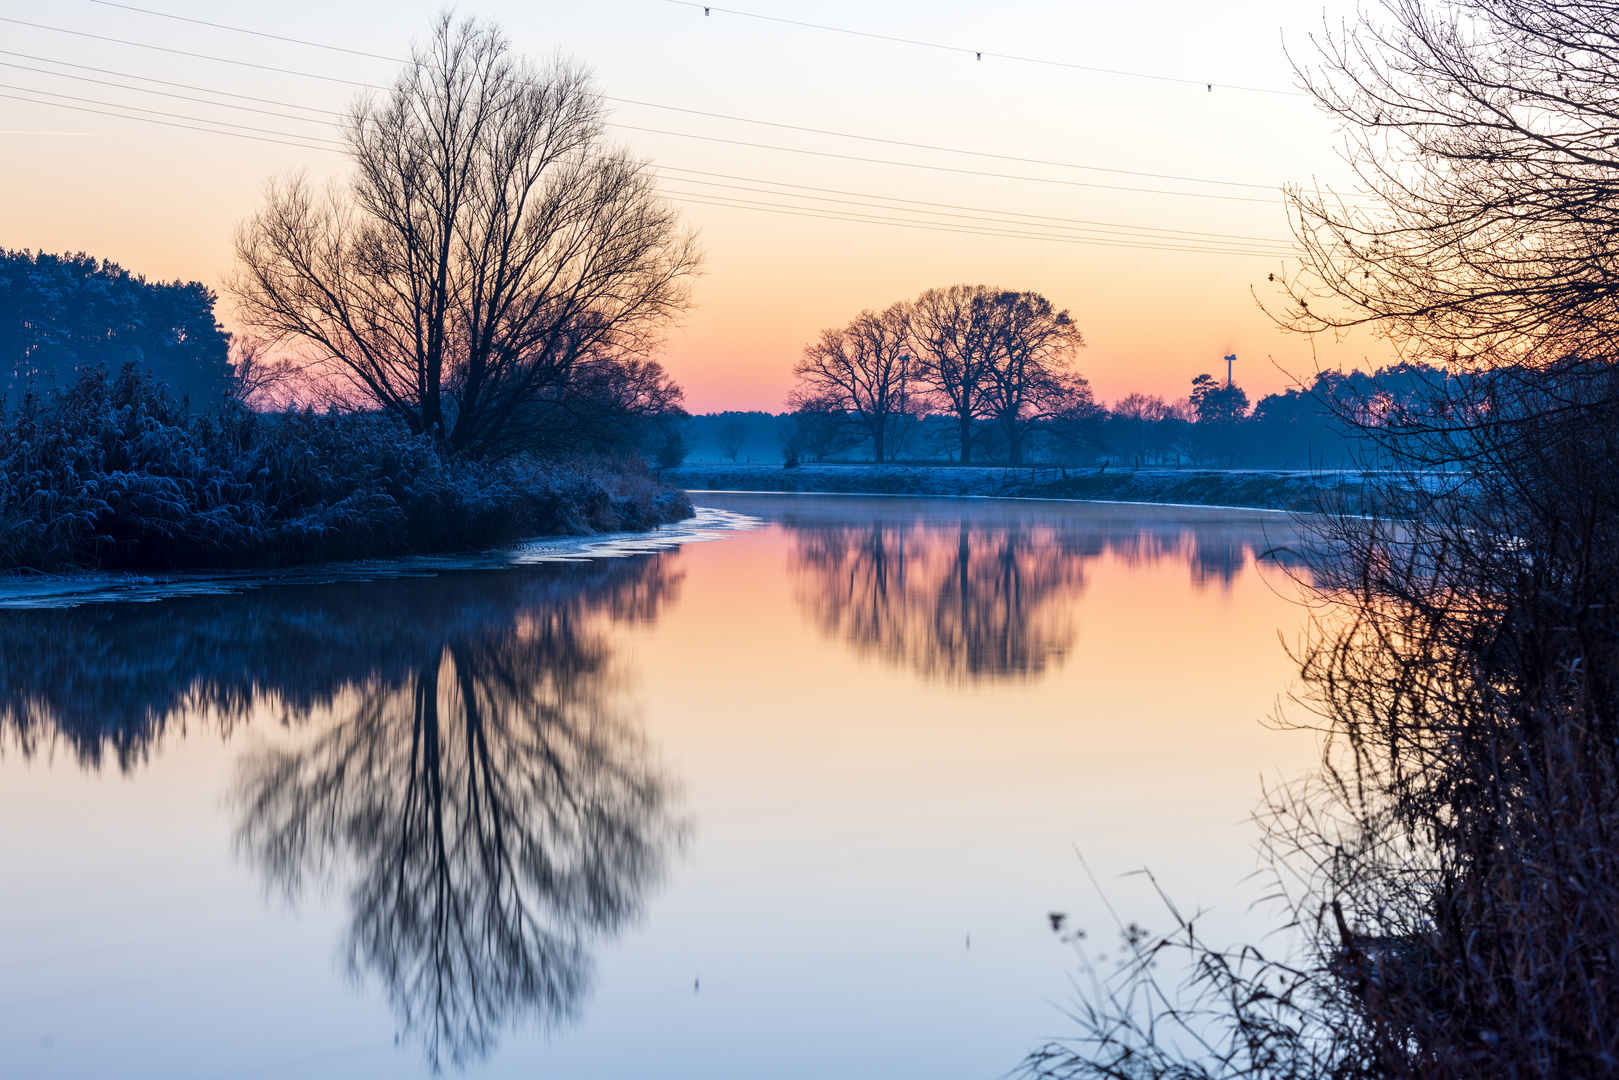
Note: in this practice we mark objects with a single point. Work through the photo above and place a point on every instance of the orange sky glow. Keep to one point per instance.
(1083, 185)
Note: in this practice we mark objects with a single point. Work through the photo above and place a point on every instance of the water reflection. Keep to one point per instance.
(458, 764)
(954, 604)
(969, 592)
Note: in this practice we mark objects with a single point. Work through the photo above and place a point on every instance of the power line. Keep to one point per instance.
(255, 33)
(176, 116)
(981, 53)
(183, 52)
(659, 131)
(1001, 227)
(166, 123)
(946, 168)
(165, 82)
(1114, 234)
(159, 93)
(829, 216)
(953, 206)
(700, 112)
(977, 222)
(941, 149)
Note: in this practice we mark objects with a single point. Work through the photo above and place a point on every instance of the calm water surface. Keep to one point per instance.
(792, 802)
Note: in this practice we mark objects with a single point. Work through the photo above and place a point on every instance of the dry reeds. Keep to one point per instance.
(1453, 869)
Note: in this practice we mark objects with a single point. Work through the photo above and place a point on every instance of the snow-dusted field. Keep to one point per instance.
(1259, 488)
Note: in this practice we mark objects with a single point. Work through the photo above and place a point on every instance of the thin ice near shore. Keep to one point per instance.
(73, 590)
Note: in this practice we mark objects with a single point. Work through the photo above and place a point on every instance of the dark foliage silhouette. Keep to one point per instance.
(1451, 872)
(112, 473)
(62, 316)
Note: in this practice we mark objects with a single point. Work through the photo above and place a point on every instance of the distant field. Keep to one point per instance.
(1258, 488)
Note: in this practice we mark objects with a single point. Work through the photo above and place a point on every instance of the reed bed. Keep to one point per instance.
(111, 473)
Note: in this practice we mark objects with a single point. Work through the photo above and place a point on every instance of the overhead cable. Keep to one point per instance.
(176, 116)
(825, 216)
(981, 53)
(168, 123)
(996, 217)
(162, 93)
(700, 112)
(183, 52)
(661, 167)
(165, 82)
(947, 168)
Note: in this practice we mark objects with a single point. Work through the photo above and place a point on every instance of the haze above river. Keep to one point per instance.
(794, 798)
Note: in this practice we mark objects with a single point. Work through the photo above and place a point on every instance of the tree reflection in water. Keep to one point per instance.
(960, 603)
(470, 779)
(979, 593)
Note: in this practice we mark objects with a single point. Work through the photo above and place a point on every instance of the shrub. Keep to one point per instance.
(111, 473)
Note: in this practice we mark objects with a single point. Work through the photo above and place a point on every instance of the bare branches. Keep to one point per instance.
(1487, 134)
(863, 370)
(971, 351)
(489, 243)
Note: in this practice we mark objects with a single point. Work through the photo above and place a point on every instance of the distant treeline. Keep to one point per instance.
(63, 314)
(1328, 424)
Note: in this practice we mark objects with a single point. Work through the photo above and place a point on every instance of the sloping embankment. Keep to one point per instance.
(1261, 489)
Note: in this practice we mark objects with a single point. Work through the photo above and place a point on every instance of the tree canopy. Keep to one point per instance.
(489, 246)
(63, 315)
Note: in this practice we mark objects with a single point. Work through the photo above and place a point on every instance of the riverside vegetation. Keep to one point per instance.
(1448, 879)
(471, 314)
(113, 473)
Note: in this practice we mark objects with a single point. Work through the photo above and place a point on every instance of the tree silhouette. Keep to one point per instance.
(490, 247)
(955, 603)
(492, 818)
(459, 762)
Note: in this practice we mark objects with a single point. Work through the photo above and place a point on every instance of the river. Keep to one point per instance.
(792, 791)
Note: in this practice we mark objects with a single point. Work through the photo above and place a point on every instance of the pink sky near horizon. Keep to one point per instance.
(163, 200)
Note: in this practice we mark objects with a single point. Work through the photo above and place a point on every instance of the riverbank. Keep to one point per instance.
(1253, 488)
(112, 474)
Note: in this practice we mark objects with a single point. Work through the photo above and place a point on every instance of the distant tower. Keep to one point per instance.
(1228, 362)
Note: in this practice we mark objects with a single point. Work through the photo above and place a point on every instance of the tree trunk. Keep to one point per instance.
(966, 439)
(877, 441)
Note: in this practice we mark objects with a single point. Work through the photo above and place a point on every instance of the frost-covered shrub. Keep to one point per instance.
(111, 473)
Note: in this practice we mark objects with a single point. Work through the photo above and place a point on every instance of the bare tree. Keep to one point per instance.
(1139, 415)
(1028, 377)
(952, 346)
(731, 437)
(1486, 131)
(489, 243)
(863, 368)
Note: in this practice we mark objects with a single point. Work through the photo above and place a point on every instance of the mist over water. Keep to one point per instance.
(647, 814)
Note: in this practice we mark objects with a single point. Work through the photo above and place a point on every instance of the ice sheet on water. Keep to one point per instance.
(72, 590)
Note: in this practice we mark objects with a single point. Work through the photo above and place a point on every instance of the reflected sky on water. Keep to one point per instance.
(795, 802)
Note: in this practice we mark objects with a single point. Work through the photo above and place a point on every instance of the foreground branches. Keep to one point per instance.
(1487, 132)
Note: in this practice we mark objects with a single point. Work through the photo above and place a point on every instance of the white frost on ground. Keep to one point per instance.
(72, 590)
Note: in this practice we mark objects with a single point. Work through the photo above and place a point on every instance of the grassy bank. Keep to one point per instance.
(112, 474)
(1261, 489)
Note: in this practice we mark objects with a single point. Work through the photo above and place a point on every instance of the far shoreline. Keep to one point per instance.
(1277, 490)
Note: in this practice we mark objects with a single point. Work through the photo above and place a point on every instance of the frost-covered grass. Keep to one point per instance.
(112, 474)
(1259, 488)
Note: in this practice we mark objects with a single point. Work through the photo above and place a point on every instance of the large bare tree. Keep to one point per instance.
(861, 370)
(489, 244)
(952, 345)
(1029, 376)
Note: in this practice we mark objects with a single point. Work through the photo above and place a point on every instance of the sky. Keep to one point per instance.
(1144, 198)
